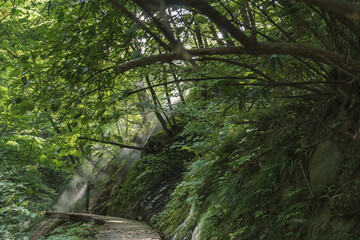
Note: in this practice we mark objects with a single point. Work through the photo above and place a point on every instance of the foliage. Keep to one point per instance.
(29, 172)
(252, 185)
(25, 196)
(249, 77)
(29, 179)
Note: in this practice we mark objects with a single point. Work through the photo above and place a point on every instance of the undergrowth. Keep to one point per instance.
(25, 194)
(250, 179)
(253, 183)
(149, 172)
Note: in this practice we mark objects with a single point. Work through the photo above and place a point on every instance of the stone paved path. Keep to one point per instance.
(124, 229)
(113, 228)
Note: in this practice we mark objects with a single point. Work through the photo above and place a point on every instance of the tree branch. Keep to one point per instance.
(338, 61)
(112, 143)
(233, 62)
(300, 85)
(219, 19)
(339, 7)
(191, 80)
(205, 8)
(116, 4)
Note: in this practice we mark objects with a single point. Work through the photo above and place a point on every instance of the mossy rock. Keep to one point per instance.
(157, 143)
(324, 165)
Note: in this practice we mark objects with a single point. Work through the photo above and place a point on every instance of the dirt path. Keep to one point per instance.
(113, 228)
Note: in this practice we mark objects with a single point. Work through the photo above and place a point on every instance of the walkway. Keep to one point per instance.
(114, 227)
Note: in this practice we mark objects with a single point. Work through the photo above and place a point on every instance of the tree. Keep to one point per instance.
(74, 72)
(80, 62)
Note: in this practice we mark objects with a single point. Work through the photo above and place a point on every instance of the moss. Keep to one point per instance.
(157, 143)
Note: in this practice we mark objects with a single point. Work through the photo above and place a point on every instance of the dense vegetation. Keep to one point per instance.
(251, 97)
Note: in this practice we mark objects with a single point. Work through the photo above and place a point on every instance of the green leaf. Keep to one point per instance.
(100, 113)
(16, 72)
(119, 139)
(122, 95)
(136, 54)
(343, 92)
(134, 28)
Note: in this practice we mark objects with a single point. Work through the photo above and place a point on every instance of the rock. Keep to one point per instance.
(324, 165)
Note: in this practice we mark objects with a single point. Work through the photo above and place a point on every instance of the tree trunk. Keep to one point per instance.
(142, 100)
(179, 89)
(198, 36)
(215, 36)
(87, 196)
(170, 104)
(158, 115)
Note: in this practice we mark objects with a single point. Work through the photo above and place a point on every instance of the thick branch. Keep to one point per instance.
(205, 8)
(165, 28)
(336, 60)
(219, 19)
(116, 4)
(339, 7)
(112, 143)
